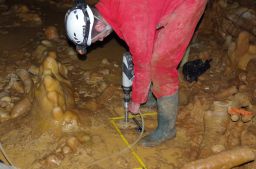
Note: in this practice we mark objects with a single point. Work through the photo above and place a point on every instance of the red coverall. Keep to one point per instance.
(157, 33)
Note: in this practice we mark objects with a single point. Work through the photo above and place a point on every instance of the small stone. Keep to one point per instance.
(235, 117)
(27, 54)
(105, 71)
(105, 61)
(10, 106)
(85, 138)
(70, 67)
(4, 114)
(218, 148)
(7, 99)
(54, 159)
(81, 91)
(47, 43)
(102, 87)
(73, 143)
(86, 76)
(207, 88)
(66, 150)
(247, 118)
(33, 70)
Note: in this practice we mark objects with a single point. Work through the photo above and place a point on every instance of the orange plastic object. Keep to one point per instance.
(239, 111)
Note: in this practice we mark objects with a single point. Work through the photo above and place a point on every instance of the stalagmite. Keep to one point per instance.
(243, 51)
(50, 100)
(54, 97)
(215, 125)
(245, 59)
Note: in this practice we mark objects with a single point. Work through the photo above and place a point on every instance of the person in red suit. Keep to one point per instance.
(157, 33)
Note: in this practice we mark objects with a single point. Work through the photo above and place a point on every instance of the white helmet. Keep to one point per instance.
(78, 23)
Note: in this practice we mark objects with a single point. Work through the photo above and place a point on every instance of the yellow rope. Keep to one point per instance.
(112, 120)
(127, 143)
(131, 116)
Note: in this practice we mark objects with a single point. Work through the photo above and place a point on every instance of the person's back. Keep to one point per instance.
(138, 23)
(132, 13)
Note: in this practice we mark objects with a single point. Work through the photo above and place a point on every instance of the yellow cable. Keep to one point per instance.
(127, 143)
(131, 116)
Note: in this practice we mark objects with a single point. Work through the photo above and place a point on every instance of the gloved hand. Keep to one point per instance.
(134, 107)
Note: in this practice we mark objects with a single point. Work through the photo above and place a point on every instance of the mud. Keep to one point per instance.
(55, 105)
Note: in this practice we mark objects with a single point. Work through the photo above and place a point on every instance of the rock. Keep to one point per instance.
(218, 148)
(51, 33)
(18, 87)
(66, 150)
(54, 159)
(27, 15)
(91, 105)
(4, 115)
(20, 108)
(104, 71)
(245, 59)
(47, 43)
(85, 138)
(33, 70)
(105, 62)
(102, 87)
(73, 143)
(6, 99)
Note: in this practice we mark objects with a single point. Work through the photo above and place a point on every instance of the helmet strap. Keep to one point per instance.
(80, 2)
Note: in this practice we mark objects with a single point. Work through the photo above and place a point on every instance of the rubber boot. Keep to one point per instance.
(166, 118)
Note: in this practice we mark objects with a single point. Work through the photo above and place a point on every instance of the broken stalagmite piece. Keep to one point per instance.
(235, 114)
(223, 160)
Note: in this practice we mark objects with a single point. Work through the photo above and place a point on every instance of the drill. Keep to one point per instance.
(127, 78)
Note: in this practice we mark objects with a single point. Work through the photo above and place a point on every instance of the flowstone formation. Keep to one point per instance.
(48, 103)
(49, 97)
(54, 97)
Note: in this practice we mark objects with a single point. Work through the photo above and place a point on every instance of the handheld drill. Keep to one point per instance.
(127, 78)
